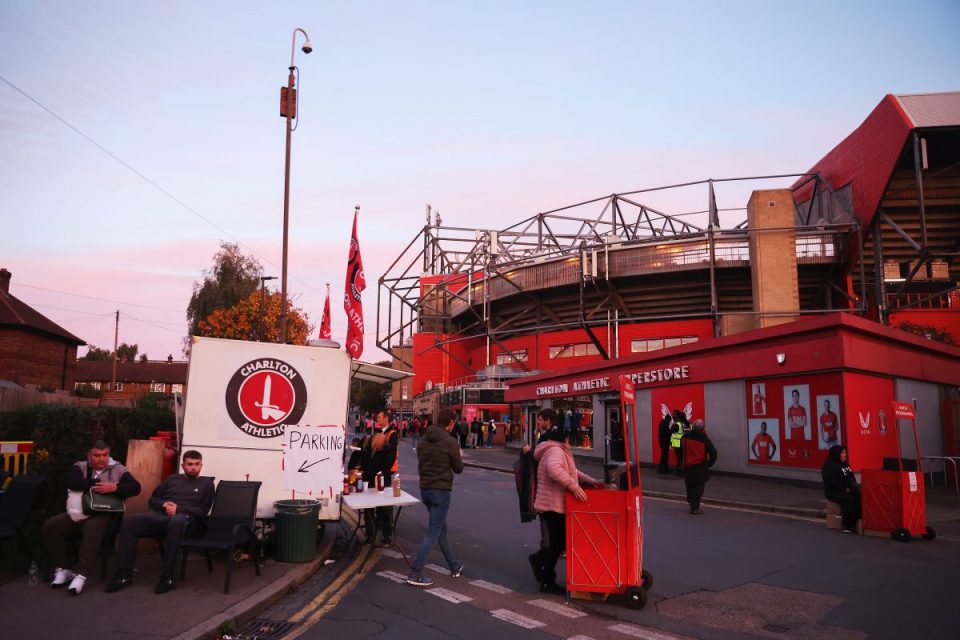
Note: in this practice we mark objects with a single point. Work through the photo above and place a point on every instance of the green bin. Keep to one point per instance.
(296, 522)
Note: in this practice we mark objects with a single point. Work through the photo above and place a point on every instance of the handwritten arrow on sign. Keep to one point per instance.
(303, 469)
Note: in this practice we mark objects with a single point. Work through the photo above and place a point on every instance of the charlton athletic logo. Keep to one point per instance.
(264, 395)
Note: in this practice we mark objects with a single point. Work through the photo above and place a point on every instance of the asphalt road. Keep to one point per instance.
(725, 574)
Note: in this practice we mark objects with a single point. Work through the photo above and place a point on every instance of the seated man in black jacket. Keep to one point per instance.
(840, 486)
(180, 503)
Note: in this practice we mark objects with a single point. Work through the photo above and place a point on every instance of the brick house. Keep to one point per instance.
(134, 379)
(34, 350)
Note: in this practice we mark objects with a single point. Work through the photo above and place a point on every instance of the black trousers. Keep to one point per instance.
(169, 529)
(664, 465)
(546, 557)
(850, 508)
(380, 518)
(696, 480)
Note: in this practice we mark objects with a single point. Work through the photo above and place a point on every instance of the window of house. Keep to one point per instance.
(156, 387)
(505, 358)
(177, 388)
(573, 350)
(118, 386)
(87, 385)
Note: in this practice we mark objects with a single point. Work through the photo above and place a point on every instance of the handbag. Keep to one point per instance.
(94, 503)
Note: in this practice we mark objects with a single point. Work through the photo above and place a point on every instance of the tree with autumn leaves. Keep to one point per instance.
(242, 321)
(227, 303)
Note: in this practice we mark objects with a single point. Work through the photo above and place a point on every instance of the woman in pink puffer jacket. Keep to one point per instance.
(556, 475)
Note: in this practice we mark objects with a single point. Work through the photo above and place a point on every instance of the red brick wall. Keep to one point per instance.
(28, 358)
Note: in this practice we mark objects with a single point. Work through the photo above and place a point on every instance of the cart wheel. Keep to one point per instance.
(646, 580)
(930, 534)
(636, 598)
(900, 535)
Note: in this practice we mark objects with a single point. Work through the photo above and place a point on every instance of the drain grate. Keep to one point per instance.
(260, 629)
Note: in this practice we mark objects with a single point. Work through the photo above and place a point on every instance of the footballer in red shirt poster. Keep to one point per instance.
(764, 447)
(796, 401)
(759, 399)
(828, 422)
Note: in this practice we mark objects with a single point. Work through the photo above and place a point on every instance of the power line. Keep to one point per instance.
(147, 322)
(80, 295)
(143, 177)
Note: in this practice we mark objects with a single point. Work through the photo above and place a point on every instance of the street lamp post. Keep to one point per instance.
(263, 302)
(288, 110)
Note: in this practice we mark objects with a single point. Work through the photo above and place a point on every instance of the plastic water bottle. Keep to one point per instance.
(34, 578)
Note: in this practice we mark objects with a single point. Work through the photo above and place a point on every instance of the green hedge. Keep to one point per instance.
(62, 434)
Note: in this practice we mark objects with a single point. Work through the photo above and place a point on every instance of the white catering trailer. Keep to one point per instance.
(274, 413)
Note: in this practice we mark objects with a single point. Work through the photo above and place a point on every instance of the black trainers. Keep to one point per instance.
(457, 571)
(164, 585)
(535, 565)
(120, 581)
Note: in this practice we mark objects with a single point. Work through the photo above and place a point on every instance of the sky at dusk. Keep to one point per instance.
(135, 136)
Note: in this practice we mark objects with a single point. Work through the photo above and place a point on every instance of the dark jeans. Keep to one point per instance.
(58, 528)
(437, 502)
(169, 529)
(664, 465)
(556, 531)
(380, 518)
(849, 508)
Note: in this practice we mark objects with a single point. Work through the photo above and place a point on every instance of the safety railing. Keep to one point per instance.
(943, 460)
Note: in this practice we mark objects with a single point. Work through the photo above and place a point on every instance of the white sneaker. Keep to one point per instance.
(61, 577)
(76, 585)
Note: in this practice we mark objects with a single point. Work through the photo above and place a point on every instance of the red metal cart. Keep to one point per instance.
(605, 533)
(894, 500)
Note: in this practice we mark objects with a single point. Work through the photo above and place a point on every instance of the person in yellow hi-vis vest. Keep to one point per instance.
(680, 426)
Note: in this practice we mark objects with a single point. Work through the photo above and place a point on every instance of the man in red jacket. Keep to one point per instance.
(699, 455)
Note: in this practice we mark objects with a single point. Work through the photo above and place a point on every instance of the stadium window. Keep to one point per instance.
(573, 350)
(519, 354)
(655, 344)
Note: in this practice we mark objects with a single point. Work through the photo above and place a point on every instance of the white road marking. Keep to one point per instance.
(390, 553)
(641, 632)
(489, 586)
(557, 608)
(581, 637)
(449, 596)
(393, 576)
(515, 618)
(437, 569)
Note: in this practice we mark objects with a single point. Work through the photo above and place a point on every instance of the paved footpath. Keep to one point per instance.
(197, 607)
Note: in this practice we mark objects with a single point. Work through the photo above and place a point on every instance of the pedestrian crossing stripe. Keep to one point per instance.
(641, 632)
(449, 596)
(390, 553)
(393, 576)
(557, 608)
(489, 586)
(515, 618)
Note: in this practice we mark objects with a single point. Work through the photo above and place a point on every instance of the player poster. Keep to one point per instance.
(828, 421)
(764, 440)
(796, 403)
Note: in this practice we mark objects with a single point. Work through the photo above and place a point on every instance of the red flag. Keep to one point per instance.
(352, 302)
(325, 322)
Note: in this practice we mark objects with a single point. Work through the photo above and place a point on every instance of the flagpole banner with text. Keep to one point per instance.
(352, 302)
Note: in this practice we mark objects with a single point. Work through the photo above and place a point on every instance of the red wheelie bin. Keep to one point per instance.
(605, 533)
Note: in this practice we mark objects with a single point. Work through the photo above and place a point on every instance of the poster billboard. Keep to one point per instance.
(786, 420)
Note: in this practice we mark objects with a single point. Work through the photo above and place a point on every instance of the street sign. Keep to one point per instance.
(313, 457)
(904, 410)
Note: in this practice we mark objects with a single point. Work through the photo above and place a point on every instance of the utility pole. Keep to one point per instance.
(116, 337)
